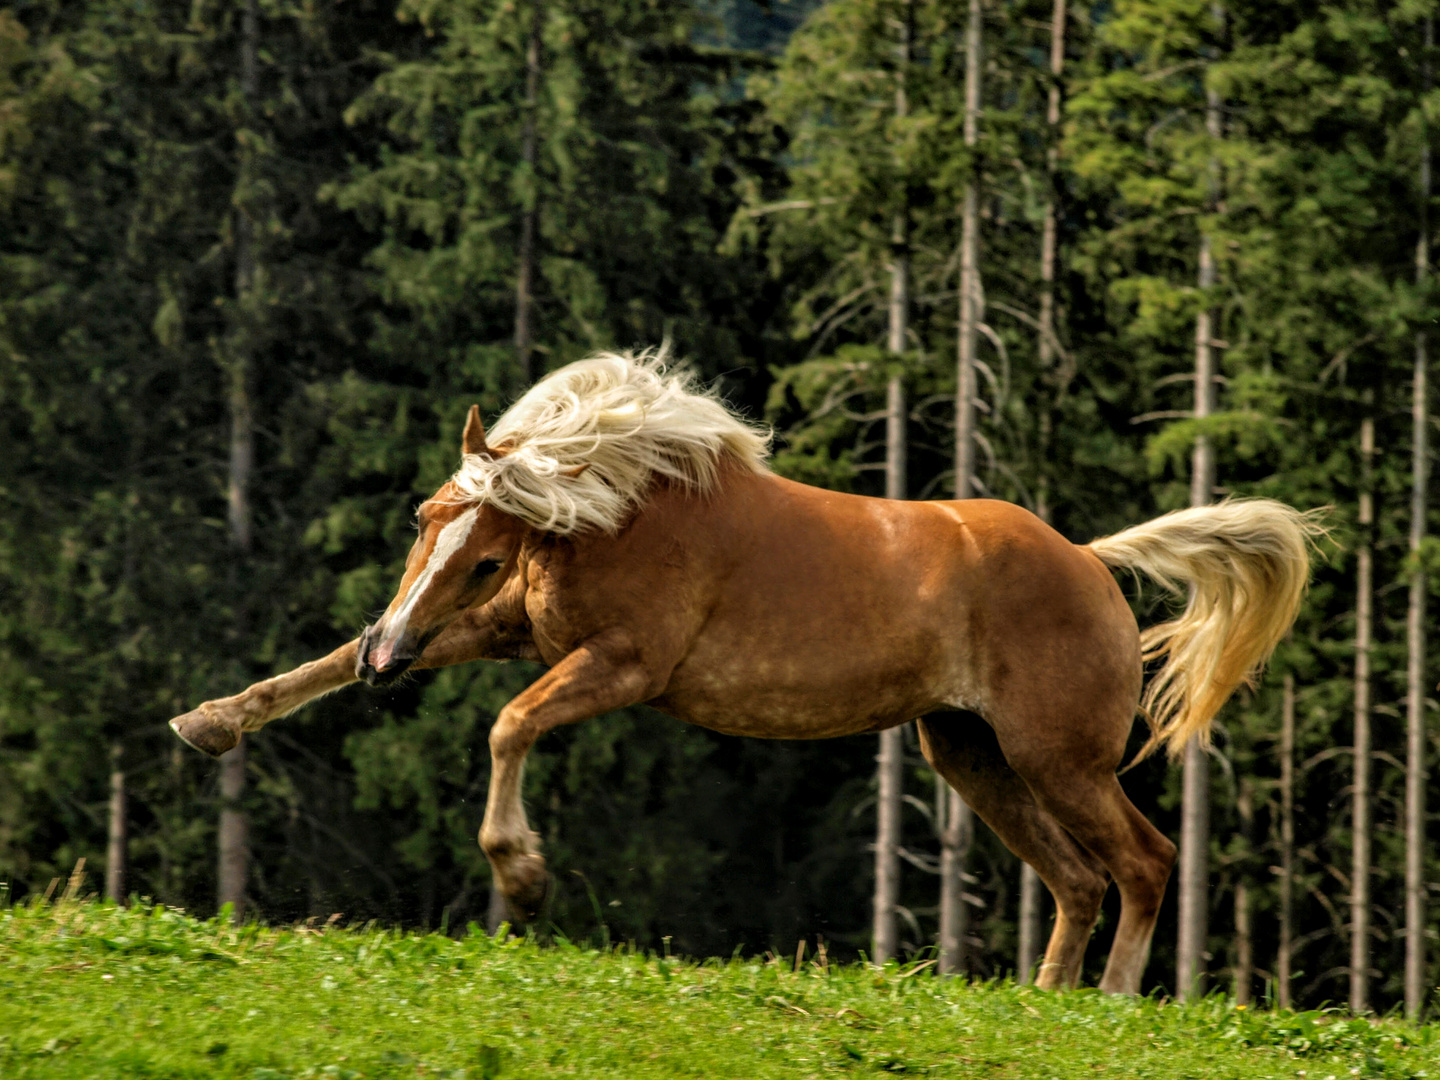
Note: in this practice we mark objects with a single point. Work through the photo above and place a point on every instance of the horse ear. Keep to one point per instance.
(473, 441)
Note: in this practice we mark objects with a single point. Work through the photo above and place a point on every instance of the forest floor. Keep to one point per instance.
(89, 990)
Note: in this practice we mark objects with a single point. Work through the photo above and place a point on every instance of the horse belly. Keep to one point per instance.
(796, 692)
(841, 615)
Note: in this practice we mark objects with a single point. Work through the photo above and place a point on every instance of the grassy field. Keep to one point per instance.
(87, 990)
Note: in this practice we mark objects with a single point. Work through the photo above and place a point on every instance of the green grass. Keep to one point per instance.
(88, 990)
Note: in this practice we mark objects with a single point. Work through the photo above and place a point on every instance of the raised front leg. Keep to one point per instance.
(602, 674)
(215, 726)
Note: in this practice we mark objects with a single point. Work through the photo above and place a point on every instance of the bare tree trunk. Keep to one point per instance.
(232, 843)
(117, 847)
(1032, 898)
(1032, 925)
(234, 832)
(1244, 921)
(957, 829)
(959, 820)
(1049, 240)
(1287, 844)
(1049, 245)
(242, 421)
(1195, 807)
(530, 217)
(1194, 874)
(1415, 616)
(891, 763)
(1360, 799)
(969, 270)
(891, 758)
(899, 322)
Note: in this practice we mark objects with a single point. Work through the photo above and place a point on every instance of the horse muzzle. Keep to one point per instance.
(380, 662)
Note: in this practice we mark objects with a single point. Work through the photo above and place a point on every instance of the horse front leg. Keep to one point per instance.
(215, 726)
(602, 674)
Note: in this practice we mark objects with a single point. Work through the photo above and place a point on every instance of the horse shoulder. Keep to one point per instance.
(649, 580)
(509, 618)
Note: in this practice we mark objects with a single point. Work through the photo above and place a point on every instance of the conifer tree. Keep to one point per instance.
(1285, 952)
(1029, 916)
(529, 195)
(234, 856)
(958, 816)
(1415, 755)
(117, 829)
(1360, 866)
(1195, 809)
(891, 758)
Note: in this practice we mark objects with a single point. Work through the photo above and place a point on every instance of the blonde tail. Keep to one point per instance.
(1247, 562)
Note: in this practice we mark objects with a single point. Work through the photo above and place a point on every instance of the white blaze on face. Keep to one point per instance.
(451, 539)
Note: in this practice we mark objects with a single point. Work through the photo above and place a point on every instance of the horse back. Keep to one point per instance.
(786, 610)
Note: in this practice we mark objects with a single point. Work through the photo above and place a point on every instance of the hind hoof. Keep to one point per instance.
(205, 734)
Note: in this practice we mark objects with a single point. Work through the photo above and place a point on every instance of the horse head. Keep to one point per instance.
(465, 552)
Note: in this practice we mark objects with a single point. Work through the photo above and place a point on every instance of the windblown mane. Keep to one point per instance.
(582, 446)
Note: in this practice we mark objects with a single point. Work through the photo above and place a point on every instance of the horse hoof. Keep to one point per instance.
(526, 904)
(205, 734)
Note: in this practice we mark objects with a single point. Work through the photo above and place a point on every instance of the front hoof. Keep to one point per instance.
(529, 889)
(205, 733)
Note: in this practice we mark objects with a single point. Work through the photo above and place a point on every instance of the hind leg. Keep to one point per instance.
(1063, 730)
(1070, 769)
(1095, 811)
(962, 748)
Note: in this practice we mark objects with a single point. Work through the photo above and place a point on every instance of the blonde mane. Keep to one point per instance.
(580, 449)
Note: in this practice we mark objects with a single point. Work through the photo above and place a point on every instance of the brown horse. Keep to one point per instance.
(621, 528)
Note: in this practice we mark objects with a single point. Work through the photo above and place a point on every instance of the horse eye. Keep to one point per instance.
(485, 567)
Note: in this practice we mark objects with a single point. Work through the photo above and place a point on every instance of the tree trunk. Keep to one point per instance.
(1244, 922)
(1195, 807)
(1031, 925)
(530, 215)
(959, 820)
(1415, 616)
(1031, 928)
(1360, 799)
(1287, 843)
(891, 763)
(242, 422)
(1049, 245)
(1194, 874)
(890, 760)
(117, 847)
(234, 832)
(1195, 804)
(233, 850)
(969, 270)
(956, 828)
